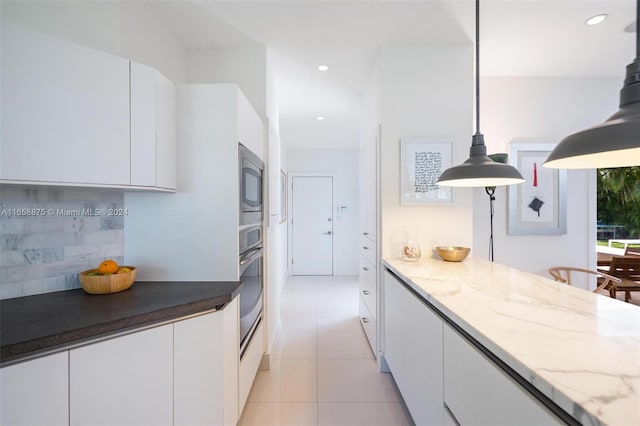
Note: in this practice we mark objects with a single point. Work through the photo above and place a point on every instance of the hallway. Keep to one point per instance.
(324, 372)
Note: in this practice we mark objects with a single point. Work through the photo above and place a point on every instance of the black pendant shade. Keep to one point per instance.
(478, 169)
(614, 143)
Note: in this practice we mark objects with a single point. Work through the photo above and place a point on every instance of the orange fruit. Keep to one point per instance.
(108, 267)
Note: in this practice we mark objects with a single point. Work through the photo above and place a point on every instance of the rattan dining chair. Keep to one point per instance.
(563, 274)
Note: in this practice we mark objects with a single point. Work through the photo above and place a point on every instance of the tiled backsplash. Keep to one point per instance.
(48, 235)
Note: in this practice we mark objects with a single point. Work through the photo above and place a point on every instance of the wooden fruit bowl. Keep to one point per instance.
(105, 284)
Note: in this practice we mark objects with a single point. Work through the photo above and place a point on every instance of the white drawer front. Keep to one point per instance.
(368, 285)
(368, 249)
(367, 273)
(368, 323)
(467, 376)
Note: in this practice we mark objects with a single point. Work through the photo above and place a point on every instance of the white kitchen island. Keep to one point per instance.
(508, 347)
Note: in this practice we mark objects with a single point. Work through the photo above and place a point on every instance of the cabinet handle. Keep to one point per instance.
(366, 268)
(365, 320)
(365, 292)
(365, 247)
(365, 233)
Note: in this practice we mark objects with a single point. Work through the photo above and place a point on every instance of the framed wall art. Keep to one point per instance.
(539, 205)
(283, 196)
(422, 161)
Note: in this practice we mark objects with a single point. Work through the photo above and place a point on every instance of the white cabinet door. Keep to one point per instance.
(127, 380)
(394, 332)
(165, 133)
(413, 351)
(198, 370)
(36, 392)
(206, 368)
(368, 186)
(423, 363)
(143, 125)
(65, 111)
(369, 325)
(248, 367)
(479, 393)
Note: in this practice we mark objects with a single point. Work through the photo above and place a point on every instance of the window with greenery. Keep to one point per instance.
(619, 199)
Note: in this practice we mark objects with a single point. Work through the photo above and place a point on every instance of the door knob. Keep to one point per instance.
(326, 233)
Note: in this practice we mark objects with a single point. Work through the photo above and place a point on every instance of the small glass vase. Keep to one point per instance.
(411, 247)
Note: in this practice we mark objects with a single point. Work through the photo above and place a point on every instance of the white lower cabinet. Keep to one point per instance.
(249, 365)
(127, 380)
(442, 377)
(479, 393)
(205, 351)
(183, 373)
(448, 419)
(413, 351)
(369, 324)
(36, 392)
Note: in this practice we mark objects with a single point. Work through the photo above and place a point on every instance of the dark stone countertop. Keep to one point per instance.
(46, 322)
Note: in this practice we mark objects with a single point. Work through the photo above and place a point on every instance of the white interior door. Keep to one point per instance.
(312, 225)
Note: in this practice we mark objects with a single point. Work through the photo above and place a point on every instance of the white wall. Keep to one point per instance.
(542, 109)
(425, 91)
(244, 65)
(133, 30)
(344, 163)
(276, 259)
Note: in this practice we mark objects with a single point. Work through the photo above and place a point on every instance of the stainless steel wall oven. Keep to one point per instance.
(251, 170)
(250, 244)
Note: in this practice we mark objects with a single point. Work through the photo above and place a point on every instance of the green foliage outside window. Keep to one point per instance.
(619, 198)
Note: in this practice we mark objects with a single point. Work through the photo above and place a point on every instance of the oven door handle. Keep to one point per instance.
(258, 252)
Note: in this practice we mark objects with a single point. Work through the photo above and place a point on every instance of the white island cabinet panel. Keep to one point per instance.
(36, 392)
(479, 393)
(127, 380)
(413, 351)
(65, 111)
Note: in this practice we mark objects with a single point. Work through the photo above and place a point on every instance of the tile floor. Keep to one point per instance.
(324, 371)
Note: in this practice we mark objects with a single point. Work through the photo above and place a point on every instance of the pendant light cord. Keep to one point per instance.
(478, 66)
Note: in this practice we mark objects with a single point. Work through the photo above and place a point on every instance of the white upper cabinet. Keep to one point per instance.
(65, 111)
(153, 130)
(72, 115)
(143, 125)
(165, 133)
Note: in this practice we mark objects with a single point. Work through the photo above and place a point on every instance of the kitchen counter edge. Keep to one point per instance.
(97, 317)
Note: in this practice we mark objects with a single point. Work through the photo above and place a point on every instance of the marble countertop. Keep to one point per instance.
(580, 349)
(48, 322)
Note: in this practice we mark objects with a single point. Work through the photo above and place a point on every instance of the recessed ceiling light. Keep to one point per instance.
(319, 118)
(595, 20)
(323, 67)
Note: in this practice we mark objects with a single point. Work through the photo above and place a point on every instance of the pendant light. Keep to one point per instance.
(614, 143)
(479, 170)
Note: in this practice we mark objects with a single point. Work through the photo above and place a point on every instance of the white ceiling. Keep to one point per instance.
(529, 37)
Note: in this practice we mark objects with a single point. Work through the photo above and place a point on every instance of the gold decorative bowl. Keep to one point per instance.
(105, 284)
(453, 254)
